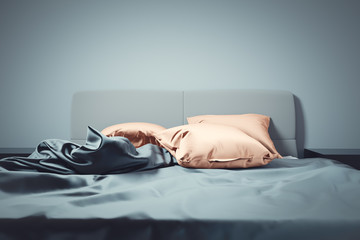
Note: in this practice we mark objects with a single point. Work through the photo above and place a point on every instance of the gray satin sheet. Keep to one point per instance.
(99, 155)
(286, 199)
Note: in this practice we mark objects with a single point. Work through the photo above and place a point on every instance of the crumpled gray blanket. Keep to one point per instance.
(99, 155)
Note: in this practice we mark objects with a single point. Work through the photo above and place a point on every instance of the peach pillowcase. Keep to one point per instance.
(139, 133)
(254, 125)
(213, 146)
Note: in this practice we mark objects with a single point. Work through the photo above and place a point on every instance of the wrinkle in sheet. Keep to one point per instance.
(99, 155)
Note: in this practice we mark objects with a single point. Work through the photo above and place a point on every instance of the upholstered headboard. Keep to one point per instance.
(100, 109)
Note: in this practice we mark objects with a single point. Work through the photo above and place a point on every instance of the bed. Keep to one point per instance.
(288, 198)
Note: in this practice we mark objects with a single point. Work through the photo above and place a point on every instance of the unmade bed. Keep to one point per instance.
(285, 198)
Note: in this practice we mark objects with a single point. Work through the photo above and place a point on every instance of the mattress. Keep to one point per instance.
(286, 199)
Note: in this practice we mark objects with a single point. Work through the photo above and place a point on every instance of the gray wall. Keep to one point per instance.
(51, 49)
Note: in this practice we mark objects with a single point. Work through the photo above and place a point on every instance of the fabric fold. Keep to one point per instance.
(99, 155)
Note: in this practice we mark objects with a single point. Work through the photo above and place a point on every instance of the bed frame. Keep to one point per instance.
(100, 109)
(310, 198)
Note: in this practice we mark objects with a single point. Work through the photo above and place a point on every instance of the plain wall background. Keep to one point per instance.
(51, 49)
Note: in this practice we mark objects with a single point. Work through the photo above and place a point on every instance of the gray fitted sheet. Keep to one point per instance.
(286, 199)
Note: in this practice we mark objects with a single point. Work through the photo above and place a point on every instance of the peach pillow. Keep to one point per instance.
(254, 125)
(213, 146)
(139, 133)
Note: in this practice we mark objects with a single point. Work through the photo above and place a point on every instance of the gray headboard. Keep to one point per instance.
(100, 109)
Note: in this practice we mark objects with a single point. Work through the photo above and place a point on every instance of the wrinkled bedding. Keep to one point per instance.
(286, 199)
(99, 155)
(58, 193)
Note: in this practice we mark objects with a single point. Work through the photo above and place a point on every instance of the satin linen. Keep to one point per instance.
(139, 133)
(205, 145)
(100, 155)
(286, 199)
(254, 125)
